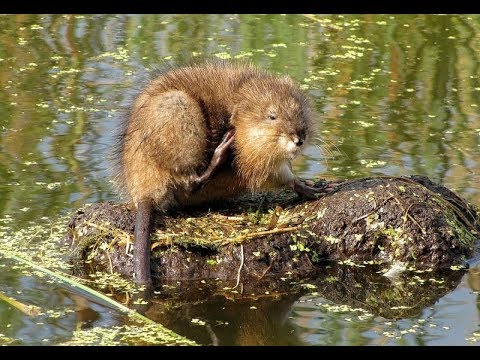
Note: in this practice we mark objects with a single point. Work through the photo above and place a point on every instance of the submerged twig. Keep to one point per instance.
(75, 284)
(30, 310)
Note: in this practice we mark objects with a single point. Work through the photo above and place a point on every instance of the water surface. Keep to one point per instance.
(396, 95)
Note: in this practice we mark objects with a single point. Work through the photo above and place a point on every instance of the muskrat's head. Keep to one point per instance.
(273, 123)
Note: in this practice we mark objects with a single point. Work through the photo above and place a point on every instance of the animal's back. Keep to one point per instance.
(172, 130)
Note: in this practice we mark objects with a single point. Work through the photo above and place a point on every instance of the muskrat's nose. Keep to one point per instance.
(297, 141)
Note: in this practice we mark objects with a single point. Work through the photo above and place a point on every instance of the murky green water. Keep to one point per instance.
(397, 95)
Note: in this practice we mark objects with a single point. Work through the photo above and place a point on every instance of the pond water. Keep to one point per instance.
(396, 95)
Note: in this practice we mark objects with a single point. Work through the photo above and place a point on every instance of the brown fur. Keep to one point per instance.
(179, 119)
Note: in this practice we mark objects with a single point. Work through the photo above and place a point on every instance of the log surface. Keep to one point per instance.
(383, 221)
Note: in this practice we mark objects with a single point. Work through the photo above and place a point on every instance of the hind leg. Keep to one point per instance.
(143, 226)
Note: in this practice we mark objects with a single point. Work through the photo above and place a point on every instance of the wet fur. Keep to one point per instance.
(180, 117)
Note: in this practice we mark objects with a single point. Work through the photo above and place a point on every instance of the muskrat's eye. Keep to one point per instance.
(272, 116)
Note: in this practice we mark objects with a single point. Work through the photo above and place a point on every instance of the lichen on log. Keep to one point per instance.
(384, 220)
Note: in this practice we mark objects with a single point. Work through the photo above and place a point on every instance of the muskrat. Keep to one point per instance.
(205, 132)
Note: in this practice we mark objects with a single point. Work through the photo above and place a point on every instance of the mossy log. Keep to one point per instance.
(408, 222)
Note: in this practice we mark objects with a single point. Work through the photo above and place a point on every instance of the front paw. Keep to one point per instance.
(311, 190)
(220, 154)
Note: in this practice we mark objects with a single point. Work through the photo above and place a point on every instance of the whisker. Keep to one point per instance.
(327, 150)
(324, 149)
(332, 144)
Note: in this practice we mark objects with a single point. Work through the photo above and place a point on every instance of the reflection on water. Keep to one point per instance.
(396, 95)
(341, 299)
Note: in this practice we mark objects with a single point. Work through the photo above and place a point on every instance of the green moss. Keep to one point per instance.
(41, 244)
(5, 340)
(127, 335)
(213, 262)
(464, 234)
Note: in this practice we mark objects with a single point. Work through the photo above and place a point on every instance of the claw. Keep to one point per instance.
(316, 191)
(221, 152)
(220, 155)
